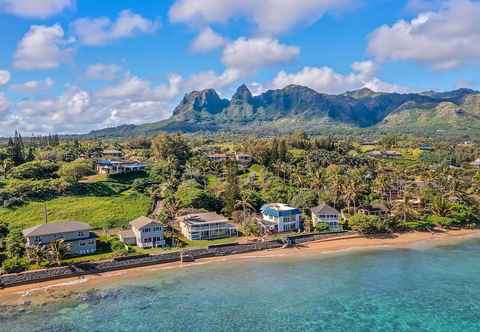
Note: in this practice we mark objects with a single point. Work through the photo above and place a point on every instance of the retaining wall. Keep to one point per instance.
(15, 279)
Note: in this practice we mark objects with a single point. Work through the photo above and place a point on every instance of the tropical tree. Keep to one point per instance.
(57, 251)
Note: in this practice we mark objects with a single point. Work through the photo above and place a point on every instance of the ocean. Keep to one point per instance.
(416, 289)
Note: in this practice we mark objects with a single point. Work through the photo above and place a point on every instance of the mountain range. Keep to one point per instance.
(299, 107)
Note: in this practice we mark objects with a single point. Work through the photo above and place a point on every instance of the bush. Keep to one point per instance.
(421, 226)
(38, 169)
(321, 227)
(444, 222)
(15, 265)
(190, 195)
(76, 170)
(366, 224)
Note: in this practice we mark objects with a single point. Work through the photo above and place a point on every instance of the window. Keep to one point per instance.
(80, 234)
(146, 230)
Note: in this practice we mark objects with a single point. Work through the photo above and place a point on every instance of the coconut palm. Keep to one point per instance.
(57, 251)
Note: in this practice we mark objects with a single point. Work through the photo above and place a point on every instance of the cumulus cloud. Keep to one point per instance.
(270, 16)
(35, 8)
(33, 86)
(77, 111)
(444, 39)
(4, 103)
(42, 47)
(251, 54)
(100, 71)
(206, 41)
(326, 80)
(4, 77)
(99, 31)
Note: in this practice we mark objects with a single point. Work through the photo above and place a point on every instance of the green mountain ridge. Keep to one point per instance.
(299, 107)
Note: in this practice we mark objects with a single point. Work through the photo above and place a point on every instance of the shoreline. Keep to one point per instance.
(55, 290)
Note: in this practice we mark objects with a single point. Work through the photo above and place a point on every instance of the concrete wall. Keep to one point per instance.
(10, 280)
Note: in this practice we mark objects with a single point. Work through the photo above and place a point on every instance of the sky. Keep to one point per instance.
(72, 66)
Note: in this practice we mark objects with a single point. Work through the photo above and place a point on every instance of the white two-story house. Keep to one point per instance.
(144, 233)
(278, 217)
(328, 215)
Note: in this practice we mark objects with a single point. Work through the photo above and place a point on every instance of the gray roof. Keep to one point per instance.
(56, 228)
(141, 222)
(207, 217)
(111, 151)
(324, 209)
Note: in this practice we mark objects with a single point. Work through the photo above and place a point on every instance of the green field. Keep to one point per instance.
(94, 210)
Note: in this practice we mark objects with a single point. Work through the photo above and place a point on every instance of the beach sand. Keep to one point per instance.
(44, 292)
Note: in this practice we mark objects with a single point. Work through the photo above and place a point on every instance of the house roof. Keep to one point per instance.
(56, 228)
(204, 218)
(141, 222)
(324, 209)
(279, 209)
(126, 234)
(111, 151)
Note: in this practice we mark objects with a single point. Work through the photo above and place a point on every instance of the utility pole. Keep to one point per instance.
(45, 212)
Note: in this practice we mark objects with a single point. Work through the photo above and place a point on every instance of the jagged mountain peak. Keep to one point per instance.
(242, 94)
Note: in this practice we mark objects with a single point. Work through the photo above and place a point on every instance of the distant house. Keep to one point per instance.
(391, 154)
(111, 154)
(426, 147)
(476, 163)
(76, 234)
(110, 167)
(376, 209)
(278, 217)
(243, 159)
(218, 157)
(375, 154)
(144, 233)
(327, 215)
(206, 226)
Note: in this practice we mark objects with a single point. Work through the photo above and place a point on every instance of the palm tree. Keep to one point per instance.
(441, 206)
(245, 204)
(402, 208)
(37, 253)
(58, 250)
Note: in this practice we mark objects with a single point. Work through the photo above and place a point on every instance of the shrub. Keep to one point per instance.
(15, 264)
(445, 222)
(12, 202)
(321, 227)
(366, 224)
(76, 169)
(38, 169)
(421, 226)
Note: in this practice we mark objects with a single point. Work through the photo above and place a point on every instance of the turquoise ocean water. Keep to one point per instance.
(421, 289)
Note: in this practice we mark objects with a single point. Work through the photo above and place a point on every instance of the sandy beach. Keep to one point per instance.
(54, 290)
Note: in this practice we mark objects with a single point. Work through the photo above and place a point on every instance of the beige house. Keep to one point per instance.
(328, 215)
(144, 233)
(76, 234)
(206, 226)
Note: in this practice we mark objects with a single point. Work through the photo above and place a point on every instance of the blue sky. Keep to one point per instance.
(70, 66)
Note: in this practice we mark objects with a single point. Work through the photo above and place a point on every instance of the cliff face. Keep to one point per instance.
(295, 106)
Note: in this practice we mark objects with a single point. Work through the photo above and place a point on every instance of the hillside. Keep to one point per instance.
(295, 107)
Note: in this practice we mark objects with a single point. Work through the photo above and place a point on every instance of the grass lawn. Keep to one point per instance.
(94, 210)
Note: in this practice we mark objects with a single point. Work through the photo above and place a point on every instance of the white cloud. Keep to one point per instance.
(100, 71)
(251, 54)
(42, 47)
(4, 77)
(4, 103)
(35, 8)
(207, 40)
(77, 111)
(33, 86)
(447, 38)
(99, 31)
(326, 80)
(270, 16)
